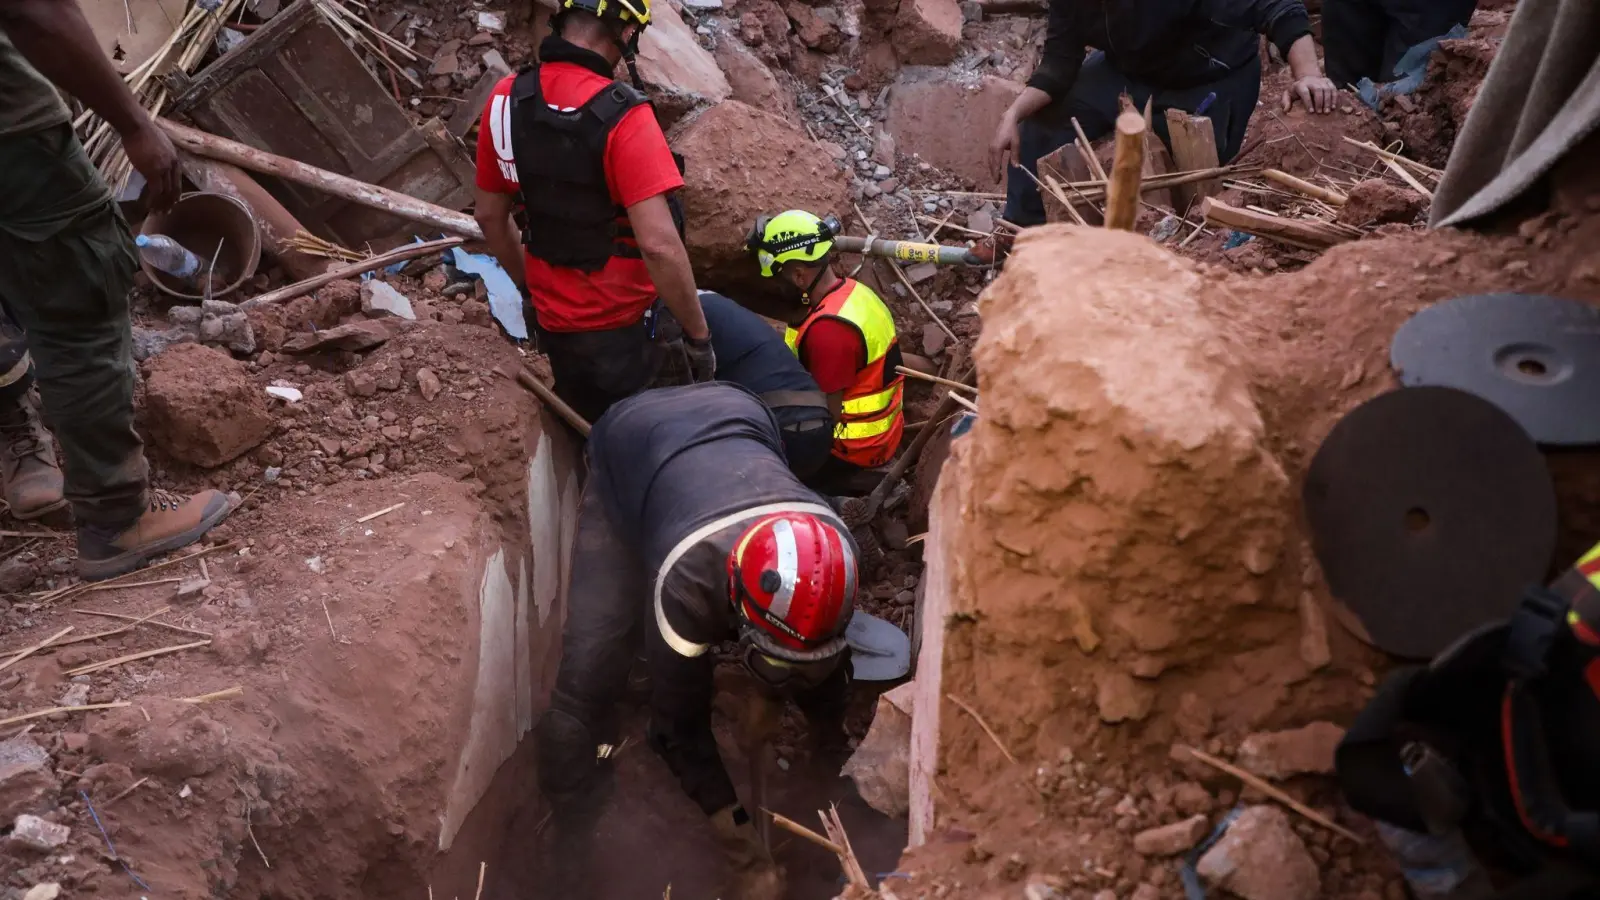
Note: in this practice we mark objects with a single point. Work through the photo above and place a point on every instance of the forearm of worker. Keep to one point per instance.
(668, 263)
(680, 710)
(1302, 57)
(493, 212)
(54, 36)
(836, 405)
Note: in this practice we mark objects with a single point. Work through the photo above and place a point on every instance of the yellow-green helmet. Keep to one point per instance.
(791, 236)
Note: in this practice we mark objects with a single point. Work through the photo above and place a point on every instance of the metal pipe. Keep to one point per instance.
(908, 251)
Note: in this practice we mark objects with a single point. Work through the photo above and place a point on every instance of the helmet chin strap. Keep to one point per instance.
(822, 269)
(630, 50)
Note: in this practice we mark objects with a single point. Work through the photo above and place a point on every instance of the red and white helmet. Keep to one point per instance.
(792, 577)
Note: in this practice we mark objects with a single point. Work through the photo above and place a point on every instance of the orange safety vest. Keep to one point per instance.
(872, 418)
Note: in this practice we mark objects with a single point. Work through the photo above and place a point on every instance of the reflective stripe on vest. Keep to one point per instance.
(870, 421)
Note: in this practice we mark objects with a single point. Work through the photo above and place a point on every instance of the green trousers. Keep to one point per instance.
(66, 267)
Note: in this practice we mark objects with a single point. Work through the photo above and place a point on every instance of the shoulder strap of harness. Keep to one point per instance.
(1534, 787)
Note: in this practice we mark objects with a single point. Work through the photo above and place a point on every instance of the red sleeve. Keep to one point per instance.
(494, 142)
(832, 353)
(638, 164)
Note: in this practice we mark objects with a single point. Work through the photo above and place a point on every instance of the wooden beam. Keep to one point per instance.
(244, 156)
(1303, 233)
(1194, 146)
(1122, 196)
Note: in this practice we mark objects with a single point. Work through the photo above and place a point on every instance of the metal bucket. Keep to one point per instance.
(203, 223)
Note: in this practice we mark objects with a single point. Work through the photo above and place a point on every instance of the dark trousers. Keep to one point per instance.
(595, 369)
(1093, 102)
(66, 267)
(807, 433)
(1366, 38)
(608, 619)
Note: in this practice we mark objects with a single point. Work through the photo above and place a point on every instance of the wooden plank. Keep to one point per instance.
(1127, 166)
(1194, 146)
(1294, 232)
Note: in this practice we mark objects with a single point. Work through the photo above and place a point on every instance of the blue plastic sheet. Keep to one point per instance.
(505, 301)
(1408, 72)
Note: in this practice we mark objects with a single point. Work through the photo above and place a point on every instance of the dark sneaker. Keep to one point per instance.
(28, 469)
(171, 522)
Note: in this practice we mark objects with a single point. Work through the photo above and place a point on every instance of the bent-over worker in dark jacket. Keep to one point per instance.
(1184, 54)
(752, 354)
(693, 528)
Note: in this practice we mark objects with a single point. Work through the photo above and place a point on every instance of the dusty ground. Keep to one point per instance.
(278, 775)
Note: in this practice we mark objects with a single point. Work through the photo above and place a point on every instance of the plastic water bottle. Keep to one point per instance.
(168, 255)
(1437, 866)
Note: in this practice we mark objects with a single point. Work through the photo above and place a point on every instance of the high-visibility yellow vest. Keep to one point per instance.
(871, 420)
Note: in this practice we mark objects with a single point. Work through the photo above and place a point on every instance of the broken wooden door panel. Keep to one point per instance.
(295, 89)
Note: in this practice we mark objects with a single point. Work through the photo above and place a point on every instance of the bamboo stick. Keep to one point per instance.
(1275, 794)
(306, 286)
(921, 376)
(1122, 195)
(29, 651)
(41, 713)
(547, 397)
(1326, 195)
(1087, 149)
(132, 657)
(177, 628)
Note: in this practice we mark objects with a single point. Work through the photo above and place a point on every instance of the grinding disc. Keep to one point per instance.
(1537, 358)
(1430, 511)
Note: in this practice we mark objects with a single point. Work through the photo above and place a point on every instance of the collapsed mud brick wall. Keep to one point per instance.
(1115, 563)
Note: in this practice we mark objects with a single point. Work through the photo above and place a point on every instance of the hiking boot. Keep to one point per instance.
(28, 467)
(170, 522)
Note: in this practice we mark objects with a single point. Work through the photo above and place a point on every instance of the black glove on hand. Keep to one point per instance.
(702, 359)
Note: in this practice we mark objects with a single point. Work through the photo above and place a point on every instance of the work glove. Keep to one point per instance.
(702, 359)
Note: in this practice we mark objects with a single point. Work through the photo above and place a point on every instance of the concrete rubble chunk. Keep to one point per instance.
(27, 783)
(881, 766)
(39, 834)
(352, 336)
(1260, 857)
(677, 72)
(928, 32)
(202, 407)
(924, 101)
(380, 299)
(815, 27)
(226, 324)
(1122, 699)
(1285, 754)
(428, 384)
(1170, 840)
(50, 890)
(743, 162)
(933, 339)
(750, 81)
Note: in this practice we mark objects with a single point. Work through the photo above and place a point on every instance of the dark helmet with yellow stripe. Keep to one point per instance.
(630, 12)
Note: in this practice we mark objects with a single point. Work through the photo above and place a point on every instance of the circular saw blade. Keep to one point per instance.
(1536, 357)
(1430, 511)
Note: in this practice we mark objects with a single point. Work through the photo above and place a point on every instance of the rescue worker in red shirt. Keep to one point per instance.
(845, 337)
(585, 157)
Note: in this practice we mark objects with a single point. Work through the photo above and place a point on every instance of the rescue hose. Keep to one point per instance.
(907, 251)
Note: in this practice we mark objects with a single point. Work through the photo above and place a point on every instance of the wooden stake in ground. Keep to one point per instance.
(1127, 167)
(548, 398)
(1194, 146)
(1304, 233)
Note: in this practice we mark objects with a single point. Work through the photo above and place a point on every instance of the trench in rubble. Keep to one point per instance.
(650, 835)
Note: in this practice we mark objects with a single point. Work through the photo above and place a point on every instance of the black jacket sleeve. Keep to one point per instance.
(1062, 56)
(1282, 21)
